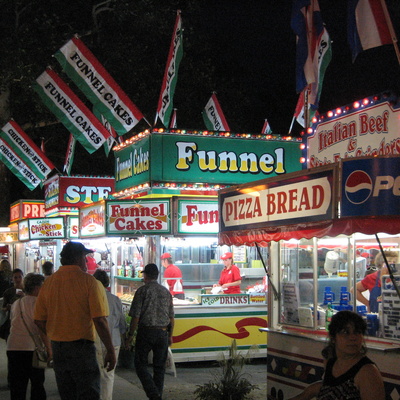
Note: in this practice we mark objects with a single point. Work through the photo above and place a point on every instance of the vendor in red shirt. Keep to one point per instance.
(372, 282)
(91, 263)
(230, 278)
(175, 285)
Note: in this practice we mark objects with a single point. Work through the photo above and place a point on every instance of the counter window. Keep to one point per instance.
(341, 273)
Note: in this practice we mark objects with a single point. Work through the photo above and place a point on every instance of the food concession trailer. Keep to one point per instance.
(323, 227)
(166, 201)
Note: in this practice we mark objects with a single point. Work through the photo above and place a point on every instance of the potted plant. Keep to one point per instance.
(127, 355)
(230, 383)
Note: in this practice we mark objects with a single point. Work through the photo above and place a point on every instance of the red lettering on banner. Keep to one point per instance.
(371, 124)
(282, 202)
(244, 208)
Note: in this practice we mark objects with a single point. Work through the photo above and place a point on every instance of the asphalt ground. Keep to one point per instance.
(180, 387)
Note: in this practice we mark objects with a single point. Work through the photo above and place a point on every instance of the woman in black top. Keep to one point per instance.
(349, 374)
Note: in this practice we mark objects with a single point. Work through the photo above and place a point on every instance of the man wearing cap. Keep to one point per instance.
(230, 278)
(152, 315)
(70, 306)
(175, 283)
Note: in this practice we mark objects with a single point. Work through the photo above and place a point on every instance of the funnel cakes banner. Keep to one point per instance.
(98, 86)
(71, 111)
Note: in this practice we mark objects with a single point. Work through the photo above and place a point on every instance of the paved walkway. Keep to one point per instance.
(127, 385)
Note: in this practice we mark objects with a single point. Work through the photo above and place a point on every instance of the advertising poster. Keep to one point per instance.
(46, 228)
(92, 220)
(367, 183)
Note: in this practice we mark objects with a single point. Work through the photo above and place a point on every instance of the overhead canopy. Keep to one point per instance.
(353, 196)
(348, 226)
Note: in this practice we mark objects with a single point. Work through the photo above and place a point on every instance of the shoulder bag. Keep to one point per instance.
(39, 359)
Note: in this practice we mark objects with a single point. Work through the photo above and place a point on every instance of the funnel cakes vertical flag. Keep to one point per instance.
(24, 147)
(98, 86)
(69, 155)
(213, 116)
(165, 105)
(71, 111)
(17, 166)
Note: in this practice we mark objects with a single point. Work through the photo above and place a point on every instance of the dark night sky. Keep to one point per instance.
(254, 43)
(253, 50)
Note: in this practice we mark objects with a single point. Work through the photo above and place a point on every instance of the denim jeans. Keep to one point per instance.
(157, 341)
(76, 370)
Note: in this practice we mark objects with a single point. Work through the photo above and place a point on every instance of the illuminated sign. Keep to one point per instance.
(197, 216)
(367, 184)
(77, 191)
(365, 128)
(138, 217)
(291, 199)
(175, 157)
(92, 220)
(46, 228)
(24, 209)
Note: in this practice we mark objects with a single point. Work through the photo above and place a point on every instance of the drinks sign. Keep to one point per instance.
(225, 300)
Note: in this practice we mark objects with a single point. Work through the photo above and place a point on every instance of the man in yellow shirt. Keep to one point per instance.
(70, 306)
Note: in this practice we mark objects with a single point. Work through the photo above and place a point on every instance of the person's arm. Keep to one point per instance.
(41, 325)
(103, 331)
(359, 294)
(235, 283)
(370, 383)
(131, 331)
(309, 392)
(171, 330)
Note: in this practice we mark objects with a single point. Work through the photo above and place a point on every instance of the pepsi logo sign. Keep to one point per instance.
(358, 187)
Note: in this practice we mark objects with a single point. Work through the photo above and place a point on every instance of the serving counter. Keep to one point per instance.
(206, 328)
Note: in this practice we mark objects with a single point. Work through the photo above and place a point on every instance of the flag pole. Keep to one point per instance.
(291, 125)
(306, 111)
(391, 30)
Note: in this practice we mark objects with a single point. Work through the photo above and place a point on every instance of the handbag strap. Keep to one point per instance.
(41, 346)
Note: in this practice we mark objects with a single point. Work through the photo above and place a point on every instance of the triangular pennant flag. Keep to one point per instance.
(213, 116)
(165, 103)
(266, 130)
(69, 155)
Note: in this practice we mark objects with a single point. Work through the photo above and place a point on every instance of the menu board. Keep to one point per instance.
(391, 307)
(290, 297)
